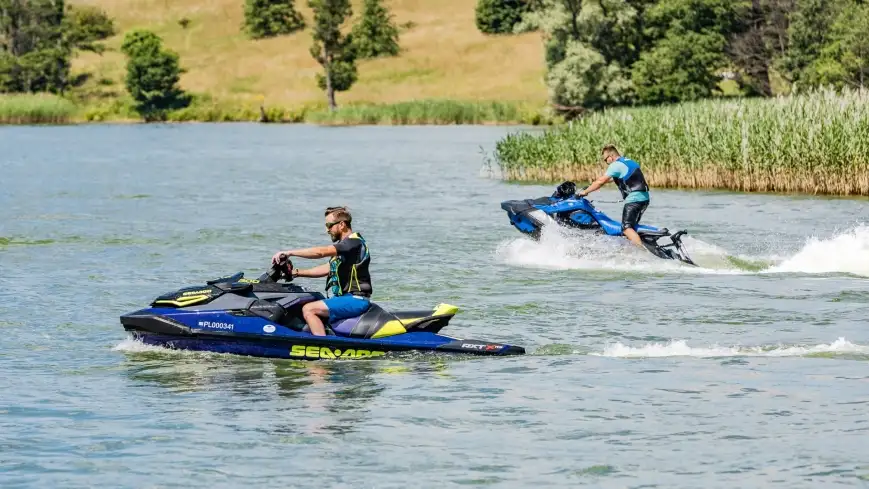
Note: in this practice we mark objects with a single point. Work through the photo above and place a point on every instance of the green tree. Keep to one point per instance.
(808, 33)
(751, 47)
(153, 73)
(375, 34)
(269, 18)
(344, 72)
(691, 41)
(585, 76)
(681, 67)
(34, 52)
(38, 38)
(331, 48)
(86, 25)
(499, 16)
(844, 60)
(604, 36)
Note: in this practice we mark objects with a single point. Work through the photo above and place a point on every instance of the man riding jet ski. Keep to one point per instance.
(263, 317)
(629, 178)
(565, 208)
(347, 277)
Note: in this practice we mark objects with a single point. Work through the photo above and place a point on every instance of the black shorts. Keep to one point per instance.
(632, 213)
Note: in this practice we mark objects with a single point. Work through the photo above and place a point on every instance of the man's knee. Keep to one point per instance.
(628, 223)
(317, 308)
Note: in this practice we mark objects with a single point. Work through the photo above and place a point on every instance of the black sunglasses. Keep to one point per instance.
(330, 224)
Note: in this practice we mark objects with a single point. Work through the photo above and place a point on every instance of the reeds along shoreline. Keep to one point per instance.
(714, 177)
(418, 112)
(430, 112)
(35, 109)
(813, 143)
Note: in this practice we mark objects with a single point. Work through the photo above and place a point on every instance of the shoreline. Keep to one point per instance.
(41, 109)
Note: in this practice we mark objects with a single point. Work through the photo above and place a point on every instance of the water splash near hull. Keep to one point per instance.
(559, 249)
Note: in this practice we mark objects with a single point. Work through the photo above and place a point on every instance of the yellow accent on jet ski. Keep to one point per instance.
(185, 301)
(391, 328)
(396, 326)
(444, 309)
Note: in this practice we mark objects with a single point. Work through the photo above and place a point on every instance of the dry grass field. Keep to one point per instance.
(443, 56)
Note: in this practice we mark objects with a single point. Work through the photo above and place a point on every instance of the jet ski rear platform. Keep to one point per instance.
(568, 210)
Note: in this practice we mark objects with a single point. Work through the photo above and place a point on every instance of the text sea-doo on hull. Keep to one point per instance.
(263, 317)
(567, 209)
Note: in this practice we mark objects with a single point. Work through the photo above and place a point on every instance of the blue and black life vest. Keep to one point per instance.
(633, 181)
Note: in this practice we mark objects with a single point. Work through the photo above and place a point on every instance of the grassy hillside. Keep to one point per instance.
(444, 56)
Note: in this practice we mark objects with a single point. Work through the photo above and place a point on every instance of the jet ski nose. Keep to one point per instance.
(508, 205)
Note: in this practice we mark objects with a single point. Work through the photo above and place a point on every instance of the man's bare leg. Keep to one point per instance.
(312, 312)
(633, 236)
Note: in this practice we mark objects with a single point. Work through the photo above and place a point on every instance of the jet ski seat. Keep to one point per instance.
(329, 330)
(653, 234)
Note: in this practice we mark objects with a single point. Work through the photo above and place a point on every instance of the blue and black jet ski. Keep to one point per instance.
(263, 317)
(565, 208)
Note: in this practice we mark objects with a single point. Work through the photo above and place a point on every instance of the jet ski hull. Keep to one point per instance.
(233, 332)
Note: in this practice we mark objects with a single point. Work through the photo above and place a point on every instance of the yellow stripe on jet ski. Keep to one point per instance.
(444, 309)
(185, 301)
(391, 328)
(396, 326)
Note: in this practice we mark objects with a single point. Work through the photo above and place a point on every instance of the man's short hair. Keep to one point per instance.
(341, 214)
(330, 210)
(609, 150)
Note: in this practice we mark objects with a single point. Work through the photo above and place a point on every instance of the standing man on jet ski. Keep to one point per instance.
(632, 184)
(348, 282)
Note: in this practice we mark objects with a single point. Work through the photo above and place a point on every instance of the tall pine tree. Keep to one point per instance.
(375, 35)
(331, 48)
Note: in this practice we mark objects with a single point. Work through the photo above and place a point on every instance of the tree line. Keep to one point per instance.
(598, 53)
(374, 35)
(38, 39)
(616, 52)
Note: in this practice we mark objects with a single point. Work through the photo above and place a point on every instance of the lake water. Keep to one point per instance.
(751, 370)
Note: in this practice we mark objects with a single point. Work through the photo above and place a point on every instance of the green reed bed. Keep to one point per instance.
(35, 109)
(815, 143)
(441, 112)
(205, 109)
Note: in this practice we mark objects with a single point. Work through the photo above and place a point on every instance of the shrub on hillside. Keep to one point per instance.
(499, 16)
(86, 25)
(269, 18)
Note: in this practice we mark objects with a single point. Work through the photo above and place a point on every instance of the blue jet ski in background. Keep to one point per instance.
(567, 209)
(263, 317)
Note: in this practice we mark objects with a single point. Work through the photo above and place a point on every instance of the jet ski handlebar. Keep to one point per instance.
(283, 269)
(565, 190)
